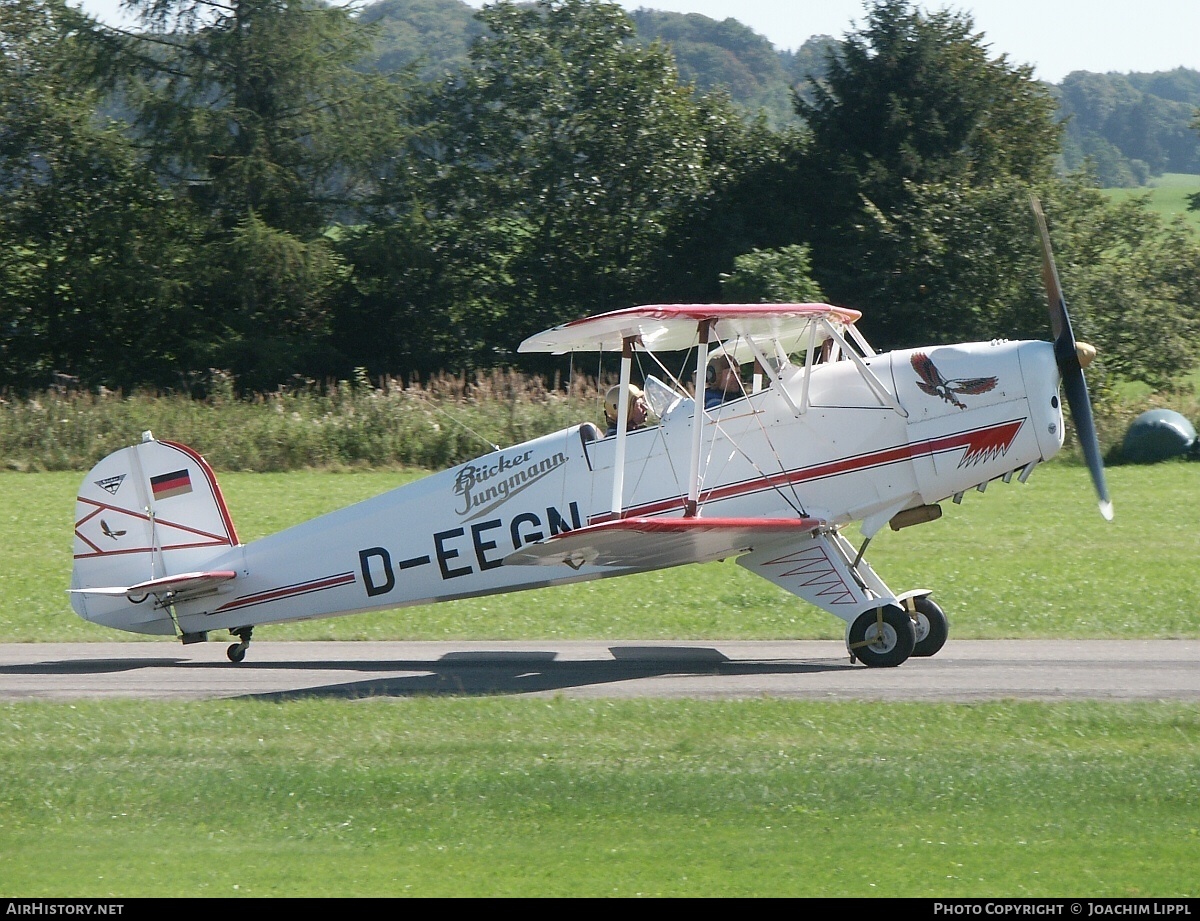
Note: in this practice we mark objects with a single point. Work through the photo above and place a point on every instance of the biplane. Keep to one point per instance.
(823, 432)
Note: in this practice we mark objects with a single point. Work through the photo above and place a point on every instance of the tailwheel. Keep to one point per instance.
(881, 637)
(237, 651)
(931, 626)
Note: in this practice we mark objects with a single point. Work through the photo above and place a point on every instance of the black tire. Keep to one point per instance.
(931, 625)
(881, 637)
(236, 652)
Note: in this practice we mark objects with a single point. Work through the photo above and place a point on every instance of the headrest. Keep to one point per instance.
(614, 393)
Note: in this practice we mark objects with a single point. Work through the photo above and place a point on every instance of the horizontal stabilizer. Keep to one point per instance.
(652, 543)
(186, 583)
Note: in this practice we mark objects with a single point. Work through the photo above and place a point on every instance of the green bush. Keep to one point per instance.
(443, 422)
(359, 423)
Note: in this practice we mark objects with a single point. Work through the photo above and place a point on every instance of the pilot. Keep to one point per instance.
(722, 380)
(637, 409)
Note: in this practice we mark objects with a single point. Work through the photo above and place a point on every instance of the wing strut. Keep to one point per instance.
(773, 376)
(693, 499)
(867, 374)
(622, 421)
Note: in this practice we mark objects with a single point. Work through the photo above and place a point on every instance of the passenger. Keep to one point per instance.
(637, 409)
(722, 380)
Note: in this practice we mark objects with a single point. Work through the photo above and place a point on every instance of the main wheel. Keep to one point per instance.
(931, 626)
(881, 637)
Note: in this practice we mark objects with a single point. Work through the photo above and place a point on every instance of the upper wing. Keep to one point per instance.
(672, 327)
(656, 543)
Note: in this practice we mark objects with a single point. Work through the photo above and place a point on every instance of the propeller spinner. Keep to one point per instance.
(1072, 357)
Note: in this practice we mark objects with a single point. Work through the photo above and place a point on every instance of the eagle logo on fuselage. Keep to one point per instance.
(935, 385)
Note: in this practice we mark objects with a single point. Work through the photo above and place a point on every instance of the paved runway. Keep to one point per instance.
(965, 670)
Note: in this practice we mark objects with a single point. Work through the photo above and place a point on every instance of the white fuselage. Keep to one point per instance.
(835, 451)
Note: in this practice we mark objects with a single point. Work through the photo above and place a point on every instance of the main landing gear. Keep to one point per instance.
(885, 636)
(881, 637)
(237, 651)
(930, 625)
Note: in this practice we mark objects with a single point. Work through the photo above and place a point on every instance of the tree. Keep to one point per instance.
(749, 204)
(916, 182)
(1131, 283)
(1194, 198)
(912, 108)
(723, 56)
(258, 105)
(555, 167)
(778, 276)
(1139, 117)
(432, 34)
(91, 246)
(257, 113)
(914, 97)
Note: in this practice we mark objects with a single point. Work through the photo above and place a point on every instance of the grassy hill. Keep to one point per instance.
(1168, 195)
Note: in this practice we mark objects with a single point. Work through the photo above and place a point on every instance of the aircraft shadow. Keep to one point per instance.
(463, 674)
(468, 674)
(88, 666)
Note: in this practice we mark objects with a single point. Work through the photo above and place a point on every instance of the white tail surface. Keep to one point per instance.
(144, 513)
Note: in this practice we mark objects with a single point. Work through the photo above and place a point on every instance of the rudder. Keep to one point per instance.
(145, 512)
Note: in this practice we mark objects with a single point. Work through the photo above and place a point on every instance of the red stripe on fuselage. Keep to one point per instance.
(979, 444)
(287, 591)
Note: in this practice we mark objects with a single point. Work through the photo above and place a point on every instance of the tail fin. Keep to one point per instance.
(143, 515)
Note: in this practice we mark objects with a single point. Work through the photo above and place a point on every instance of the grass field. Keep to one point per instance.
(510, 796)
(518, 797)
(1033, 559)
(1168, 195)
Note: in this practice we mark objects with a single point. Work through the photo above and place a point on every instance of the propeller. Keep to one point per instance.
(1072, 357)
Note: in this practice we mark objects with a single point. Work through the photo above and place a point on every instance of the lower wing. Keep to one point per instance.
(656, 543)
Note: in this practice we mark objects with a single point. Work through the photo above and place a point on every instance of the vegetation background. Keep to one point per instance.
(255, 227)
(275, 194)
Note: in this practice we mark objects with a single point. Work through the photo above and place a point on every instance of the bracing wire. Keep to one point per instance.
(459, 422)
(796, 505)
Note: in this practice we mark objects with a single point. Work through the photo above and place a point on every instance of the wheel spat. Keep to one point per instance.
(1067, 354)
